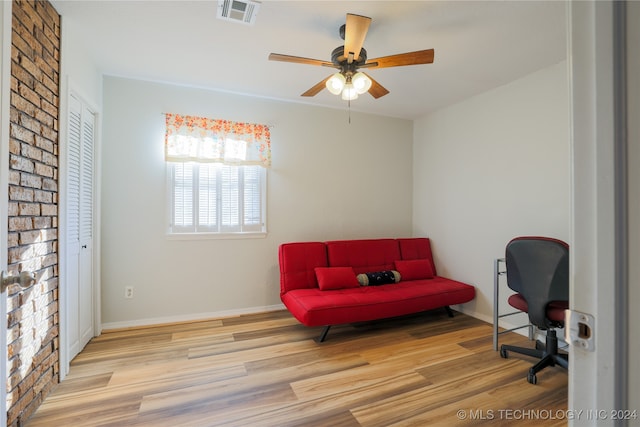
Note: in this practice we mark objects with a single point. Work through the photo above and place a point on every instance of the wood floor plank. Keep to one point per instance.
(366, 375)
(290, 414)
(416, 402)
(267, 370)
(232, 388)
(421, 344)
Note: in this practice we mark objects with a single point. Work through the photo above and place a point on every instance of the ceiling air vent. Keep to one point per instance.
(243, 11)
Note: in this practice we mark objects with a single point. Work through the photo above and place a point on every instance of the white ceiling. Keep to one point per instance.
(478, 45)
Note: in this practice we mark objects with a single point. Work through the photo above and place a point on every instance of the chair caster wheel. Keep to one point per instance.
(503, 353)
(532, 378)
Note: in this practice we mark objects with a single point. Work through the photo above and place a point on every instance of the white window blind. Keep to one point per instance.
(217, 198)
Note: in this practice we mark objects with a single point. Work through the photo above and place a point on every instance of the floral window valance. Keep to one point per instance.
(199, 139)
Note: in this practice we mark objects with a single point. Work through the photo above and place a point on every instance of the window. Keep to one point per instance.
(217, 198)
(217, 176)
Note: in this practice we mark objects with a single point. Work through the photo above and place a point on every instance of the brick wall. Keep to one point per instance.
(33, 207)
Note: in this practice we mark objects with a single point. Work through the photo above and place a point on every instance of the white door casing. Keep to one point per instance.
(5, 71)
(597, 379)
(633, 97)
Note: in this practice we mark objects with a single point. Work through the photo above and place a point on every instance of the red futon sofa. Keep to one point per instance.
(335, 282)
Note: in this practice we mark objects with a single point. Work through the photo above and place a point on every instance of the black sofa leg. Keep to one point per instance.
(449, 311)
(324, 333)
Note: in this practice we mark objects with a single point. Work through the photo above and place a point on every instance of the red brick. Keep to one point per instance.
(49, 159)
(49, 108)
(42, 196)
(20, 44)
(13, 240)
(14, 177)
(49, 184)
(22, 76)
(20, 194)
(41, 222)
(49, 260)
(20, 223)
(44, 170)
(45, 144)
(14, 146)
(29, 209)
(44, 92)
(19, 163)
(49, 133)
(31, 152)
(14, 209)
(44, 118)
(20, 104)
(33, 187)
(29, 66)
(51, 82)
(28, 93)
(30, 180)
(30, 123)
(49, 210)
(21, 134)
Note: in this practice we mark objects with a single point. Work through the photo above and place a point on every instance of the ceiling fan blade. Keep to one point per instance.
(354, 34)
(317, 88)
(409, 58)
(298, 60)
(376, 90)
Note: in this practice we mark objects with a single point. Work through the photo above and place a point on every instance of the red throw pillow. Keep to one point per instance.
(336, 278)
(415, 269)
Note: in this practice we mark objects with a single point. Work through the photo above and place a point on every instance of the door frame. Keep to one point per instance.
(633, 145)
(598, 379)
(5, 89)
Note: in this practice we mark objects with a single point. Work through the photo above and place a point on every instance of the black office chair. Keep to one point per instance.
(538, 271)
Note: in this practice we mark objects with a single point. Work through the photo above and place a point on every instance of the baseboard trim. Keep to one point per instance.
(140, 323)
(111, 326)
(505, 324)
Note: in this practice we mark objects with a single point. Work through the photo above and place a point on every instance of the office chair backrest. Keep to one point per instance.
(538, 269)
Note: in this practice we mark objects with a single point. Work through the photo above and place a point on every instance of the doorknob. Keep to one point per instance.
(24, 279)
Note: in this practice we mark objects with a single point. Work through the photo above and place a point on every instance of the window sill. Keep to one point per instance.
(216, 236)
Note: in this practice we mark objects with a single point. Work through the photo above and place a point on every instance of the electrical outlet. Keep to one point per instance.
(128, 292)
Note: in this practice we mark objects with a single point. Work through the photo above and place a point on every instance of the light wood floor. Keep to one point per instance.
(266, 370)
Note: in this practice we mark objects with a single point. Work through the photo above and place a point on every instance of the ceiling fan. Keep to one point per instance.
(352, 57)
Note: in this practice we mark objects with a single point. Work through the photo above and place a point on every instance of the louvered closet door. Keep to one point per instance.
(80, 212)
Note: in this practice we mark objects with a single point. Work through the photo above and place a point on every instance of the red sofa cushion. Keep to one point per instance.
(313, 307)
(417, 248)
(336, 278)
(297, 263)
(414, 269)
(363, 255)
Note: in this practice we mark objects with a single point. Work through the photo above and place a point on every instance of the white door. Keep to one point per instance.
(599, 380)
(79, 225)
(5, 57)
(633, 76)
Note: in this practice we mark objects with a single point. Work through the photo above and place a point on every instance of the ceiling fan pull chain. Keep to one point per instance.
(349, 104)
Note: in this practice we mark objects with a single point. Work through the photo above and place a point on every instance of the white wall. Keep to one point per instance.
(491, 168)
(78, 69)
(329, 180)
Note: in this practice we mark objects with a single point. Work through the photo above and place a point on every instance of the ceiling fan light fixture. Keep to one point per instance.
(361, 82)
(349, 92)
(336, 83)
